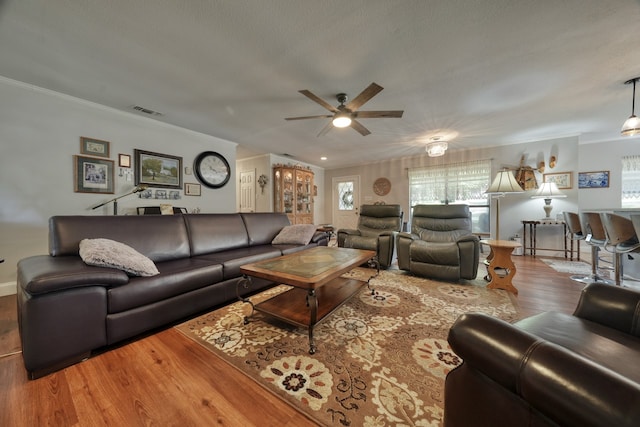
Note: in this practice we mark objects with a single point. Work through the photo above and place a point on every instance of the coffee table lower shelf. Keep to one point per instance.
(307, 308)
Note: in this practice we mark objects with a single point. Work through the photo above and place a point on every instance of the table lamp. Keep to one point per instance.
(503, 183)
(548, 191)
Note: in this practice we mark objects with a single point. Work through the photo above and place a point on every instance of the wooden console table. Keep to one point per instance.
(500, 258)
(532, 243)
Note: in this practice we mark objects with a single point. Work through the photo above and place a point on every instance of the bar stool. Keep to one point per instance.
(622, 236)
(574, 232)
(596, 237)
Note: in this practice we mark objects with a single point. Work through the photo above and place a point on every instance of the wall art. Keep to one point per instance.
(92, 175)
(157, 170)
(597, 179)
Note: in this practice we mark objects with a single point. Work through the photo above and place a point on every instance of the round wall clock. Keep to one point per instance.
(382, 186)
(212, 169)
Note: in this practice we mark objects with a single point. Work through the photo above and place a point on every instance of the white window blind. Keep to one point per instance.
(631, 181)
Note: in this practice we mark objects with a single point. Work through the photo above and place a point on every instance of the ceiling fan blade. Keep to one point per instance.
(358, 127)
(364, 96)
(378, 114)
(323, 116)
(326, 129)
(319, 100)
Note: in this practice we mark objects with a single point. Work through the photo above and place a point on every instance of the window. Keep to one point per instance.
(455, 183)
(631, 182)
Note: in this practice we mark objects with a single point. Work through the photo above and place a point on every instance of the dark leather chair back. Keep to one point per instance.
(441, 223)
(376, 218)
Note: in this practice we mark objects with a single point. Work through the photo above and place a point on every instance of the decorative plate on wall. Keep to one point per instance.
(382, 186)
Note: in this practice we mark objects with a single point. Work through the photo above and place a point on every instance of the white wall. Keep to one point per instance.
(39, 134)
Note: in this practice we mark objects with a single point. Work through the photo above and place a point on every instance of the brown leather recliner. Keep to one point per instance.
(551, 369)
(378, 226)
(441, 244)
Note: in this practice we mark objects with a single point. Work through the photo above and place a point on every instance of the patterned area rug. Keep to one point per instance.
(381, 359)
(571, 267)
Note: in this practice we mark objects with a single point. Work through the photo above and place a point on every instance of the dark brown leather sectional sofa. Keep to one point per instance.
(550, 369)
(67, 309)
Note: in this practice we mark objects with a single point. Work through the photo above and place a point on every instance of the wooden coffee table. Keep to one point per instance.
(318, 290)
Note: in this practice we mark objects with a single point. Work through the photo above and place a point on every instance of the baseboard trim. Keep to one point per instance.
(8, 288)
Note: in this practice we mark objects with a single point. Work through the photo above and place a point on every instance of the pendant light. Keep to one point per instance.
(632, 125)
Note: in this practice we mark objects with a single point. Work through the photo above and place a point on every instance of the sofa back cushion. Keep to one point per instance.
(161, 238)
(263, 227)
(215, 232)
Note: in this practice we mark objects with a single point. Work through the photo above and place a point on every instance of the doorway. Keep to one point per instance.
(248, 191)
(345, 201)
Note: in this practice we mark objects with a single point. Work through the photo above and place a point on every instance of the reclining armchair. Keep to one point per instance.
(378, 226)
(440, 245)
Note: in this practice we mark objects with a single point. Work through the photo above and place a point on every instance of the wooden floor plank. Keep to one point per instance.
(167, 379)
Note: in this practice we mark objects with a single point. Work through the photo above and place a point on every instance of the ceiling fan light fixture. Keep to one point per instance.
(436, 148)
(341, 121)
(631, 126)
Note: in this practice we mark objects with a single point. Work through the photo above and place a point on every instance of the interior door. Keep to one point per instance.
(346, 201)
(248, 191)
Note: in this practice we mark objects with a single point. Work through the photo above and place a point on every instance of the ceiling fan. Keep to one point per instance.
(346, 115)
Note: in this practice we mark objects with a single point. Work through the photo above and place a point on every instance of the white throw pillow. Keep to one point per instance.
(109, 253)
(299, 234)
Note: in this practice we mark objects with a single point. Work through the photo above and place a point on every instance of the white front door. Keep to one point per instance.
(346, 201)
(248, 191)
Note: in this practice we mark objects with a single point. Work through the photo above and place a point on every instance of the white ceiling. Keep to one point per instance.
(490, 72)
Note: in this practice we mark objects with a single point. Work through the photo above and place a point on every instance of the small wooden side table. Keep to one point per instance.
(500, 258)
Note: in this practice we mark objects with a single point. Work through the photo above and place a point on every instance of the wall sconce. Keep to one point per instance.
(262, 180)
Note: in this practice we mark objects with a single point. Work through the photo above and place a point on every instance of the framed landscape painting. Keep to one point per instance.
(562, 179)
(157, 170)
(598, 179)
(92, 175)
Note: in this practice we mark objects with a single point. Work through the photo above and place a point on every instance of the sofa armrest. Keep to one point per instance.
(43, 274)
(611, 306)
(342, 234)
(567, 388)
(403, 243)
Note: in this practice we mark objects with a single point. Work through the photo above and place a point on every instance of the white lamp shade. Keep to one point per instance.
(631, 126)
(548, 190)
(504, 182)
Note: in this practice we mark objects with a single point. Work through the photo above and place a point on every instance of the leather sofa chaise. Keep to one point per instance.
(551, 369)
(68, 309)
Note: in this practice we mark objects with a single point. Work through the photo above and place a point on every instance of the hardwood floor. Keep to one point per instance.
(166, 379)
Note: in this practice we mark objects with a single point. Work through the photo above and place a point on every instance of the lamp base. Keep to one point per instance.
(547, 208)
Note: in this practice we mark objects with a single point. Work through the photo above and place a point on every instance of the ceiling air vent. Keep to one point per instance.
(146, 111)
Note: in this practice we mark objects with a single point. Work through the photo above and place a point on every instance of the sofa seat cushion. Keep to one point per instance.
(434, 253)
(361, 242)
(233, 259)
(176, 277)
(605, 346)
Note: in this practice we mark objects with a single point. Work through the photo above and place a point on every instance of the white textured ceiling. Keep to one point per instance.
(492, 72)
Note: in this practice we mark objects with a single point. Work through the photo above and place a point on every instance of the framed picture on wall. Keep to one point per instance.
(192, 189)
(598, 179)
(92, 175)
(562, 179)
(94, 147)
(157, 170)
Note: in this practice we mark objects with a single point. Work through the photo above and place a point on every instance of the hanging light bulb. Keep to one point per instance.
(632, 125)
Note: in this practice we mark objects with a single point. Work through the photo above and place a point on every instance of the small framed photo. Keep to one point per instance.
(157, 170)
(92, 175)
(124, 160)
(597, 179)
(94, 147)
(192, 189)
(562, 179)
